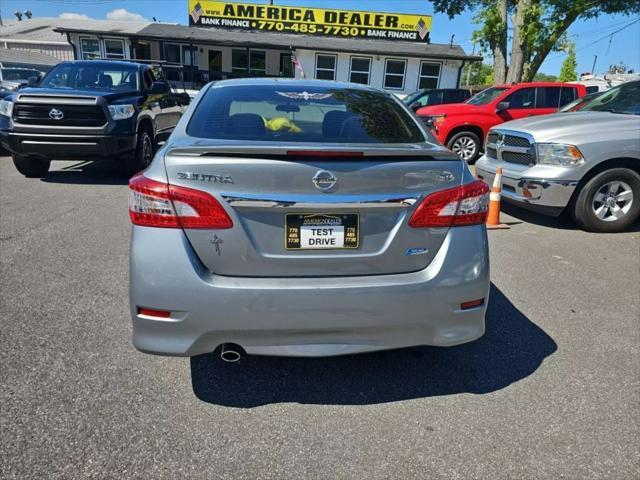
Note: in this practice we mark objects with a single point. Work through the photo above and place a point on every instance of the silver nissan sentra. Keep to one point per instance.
(305, 218)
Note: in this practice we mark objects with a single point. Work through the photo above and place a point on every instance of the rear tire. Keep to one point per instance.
(143, 154)
(31, 167)
(466, 145)
(609, 202)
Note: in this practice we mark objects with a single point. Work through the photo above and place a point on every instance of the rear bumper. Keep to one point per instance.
(66, 146)
(547, 196)
(304, 316)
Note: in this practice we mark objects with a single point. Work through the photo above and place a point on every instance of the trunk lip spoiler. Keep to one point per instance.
(288, 150)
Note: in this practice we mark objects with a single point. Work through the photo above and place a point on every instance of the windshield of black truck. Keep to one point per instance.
(115, 78)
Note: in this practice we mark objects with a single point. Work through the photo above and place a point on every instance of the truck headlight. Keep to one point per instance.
(6, 108)
(434, 120)
(121, 112)
(559, 154)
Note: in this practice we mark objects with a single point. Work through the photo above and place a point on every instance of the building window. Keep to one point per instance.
(257, 60)
(172, 52)
(286, 66)
(114, 48)
(239, 61)
(326, 67)
(429, 75)
(394, 71)
(360, 70)
(90, 48)
(141, 50)
(189, 55)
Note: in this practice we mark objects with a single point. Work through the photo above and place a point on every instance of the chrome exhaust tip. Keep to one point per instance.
(230, 353)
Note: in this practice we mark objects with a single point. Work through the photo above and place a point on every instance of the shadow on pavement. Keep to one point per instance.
(101, 172)
(512, 349)
(563, 222)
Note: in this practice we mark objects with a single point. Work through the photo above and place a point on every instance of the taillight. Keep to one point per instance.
(158, 204)
(151, 312)
(464, 205)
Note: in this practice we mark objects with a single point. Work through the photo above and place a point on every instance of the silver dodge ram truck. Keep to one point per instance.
(587, 161)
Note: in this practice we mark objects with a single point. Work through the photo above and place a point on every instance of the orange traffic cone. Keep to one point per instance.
(493, 220)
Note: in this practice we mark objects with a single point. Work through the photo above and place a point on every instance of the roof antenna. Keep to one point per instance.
(451, 41)
(154, 19)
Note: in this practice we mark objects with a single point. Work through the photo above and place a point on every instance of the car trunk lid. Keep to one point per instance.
(283, 198)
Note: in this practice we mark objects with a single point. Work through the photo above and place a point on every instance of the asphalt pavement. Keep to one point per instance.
(551, 391)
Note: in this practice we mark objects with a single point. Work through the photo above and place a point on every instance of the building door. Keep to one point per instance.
(215, 65)
(286, 67)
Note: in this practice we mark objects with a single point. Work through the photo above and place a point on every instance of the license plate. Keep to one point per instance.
(321, 231)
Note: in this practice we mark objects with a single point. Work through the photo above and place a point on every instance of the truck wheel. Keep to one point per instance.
(466, 145)
(609, 202)
(144, 152)
(31, 167)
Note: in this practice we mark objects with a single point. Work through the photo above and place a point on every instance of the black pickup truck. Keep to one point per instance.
(89, 109)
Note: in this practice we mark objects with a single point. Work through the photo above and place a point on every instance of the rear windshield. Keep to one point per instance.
(18, 74)
(412, 97)
(291, 113)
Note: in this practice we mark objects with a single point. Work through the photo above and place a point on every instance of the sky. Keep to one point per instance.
(592, 37)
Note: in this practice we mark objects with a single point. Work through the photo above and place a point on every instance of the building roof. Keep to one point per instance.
(243, 38)
(50, 29)
(26, 57)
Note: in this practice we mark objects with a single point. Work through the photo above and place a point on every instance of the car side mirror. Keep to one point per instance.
(502, 106)
(415, 106)
(33, 81)
(159, 88)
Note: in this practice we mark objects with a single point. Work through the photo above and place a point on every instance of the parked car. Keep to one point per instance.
(579, 102)
(88, 109)
(463, 126)
(587, 162)
(13, 78)
(305, 218)
(435, 96)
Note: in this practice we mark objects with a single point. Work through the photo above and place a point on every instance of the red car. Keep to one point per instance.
(462, 127)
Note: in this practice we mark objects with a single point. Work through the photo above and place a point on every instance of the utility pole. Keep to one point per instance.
(593, 69)
(473, 51)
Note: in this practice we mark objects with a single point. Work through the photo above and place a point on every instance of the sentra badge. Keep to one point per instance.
(204, 177)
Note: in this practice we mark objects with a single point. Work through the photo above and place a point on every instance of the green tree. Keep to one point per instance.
(477, 74)
(539, 27)
(543, 77)
(569, 70)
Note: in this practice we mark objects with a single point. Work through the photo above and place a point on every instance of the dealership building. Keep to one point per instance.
(230, 40)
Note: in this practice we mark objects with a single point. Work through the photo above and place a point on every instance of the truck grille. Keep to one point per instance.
(510, 148)
(520, 158)
(73, 115)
